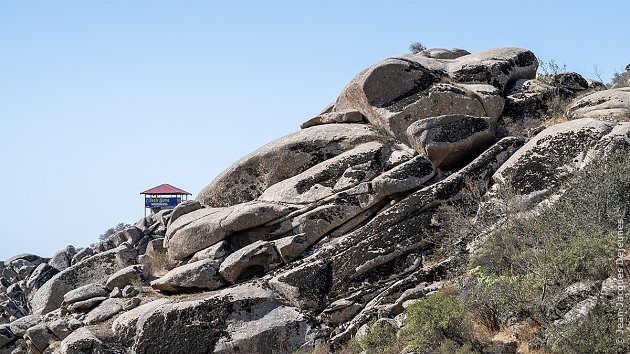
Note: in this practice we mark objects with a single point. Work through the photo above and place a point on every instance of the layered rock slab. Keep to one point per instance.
(612, 104)
(243, 319)
(205, 227)
(547, 160)
(248, 177)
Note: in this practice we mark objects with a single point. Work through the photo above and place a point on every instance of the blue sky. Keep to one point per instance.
(100, 100)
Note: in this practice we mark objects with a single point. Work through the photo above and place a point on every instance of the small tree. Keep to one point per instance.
(416, 47)
(112, 230)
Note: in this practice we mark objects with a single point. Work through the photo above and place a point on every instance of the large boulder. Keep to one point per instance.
(19, 326)
(613, 103)
(134, 274)
(242, 319)
(39, 277)
(6, 336)
(257, 258)
(200, 275)
(39, 337)
(84, 292)
(82, 341)
(545, 96)
(108, 309)
(539, 168)
(451, 141)
(248, 177)
(397, 92)
(205, 227)
(63, 259)
(497, 67)
(93, 269)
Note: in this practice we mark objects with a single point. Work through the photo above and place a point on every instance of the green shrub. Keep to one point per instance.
(380, 338)
(571, 240)
(496, 299)
(595, 334)
(433, 320)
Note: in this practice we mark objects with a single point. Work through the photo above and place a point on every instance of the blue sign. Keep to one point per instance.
(151, 202)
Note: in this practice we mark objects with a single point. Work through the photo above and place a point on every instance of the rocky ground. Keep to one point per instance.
(314, 235)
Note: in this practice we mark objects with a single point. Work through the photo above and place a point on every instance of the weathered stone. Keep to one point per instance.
(156, 258)
(184, 208)
(6, 336)
(25, 271)
(613, 103)
(15, 292)
(129, 291)
(61, 260)
(200, 275)
(344, 116)
(116, 292)
(60, 328)
(133, 274)
(82, 254)
(547, 160)
(309, 227)
(538, 98)
(9, 274)
(131, 303)
(28, 257)
(40, 336)
(580, 310)
(104, 311)
(86, 305)
(341, 311)
(247, 178)
(304, 286)
(570, 297)
(337, 174)
(216, 251)
(451, 141)
(82, 341)
(19, 326)
(206, 227)
(131, 235)
(443, 53)
(255, 259)
(405, 226)
(84, 292)
(94, 269)
(496, 67)
(39, 277)
(245, 319)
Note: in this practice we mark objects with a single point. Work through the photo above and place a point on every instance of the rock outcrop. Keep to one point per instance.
(611, 104)
(315, 235)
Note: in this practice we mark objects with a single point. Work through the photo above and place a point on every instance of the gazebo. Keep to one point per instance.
(163, 197)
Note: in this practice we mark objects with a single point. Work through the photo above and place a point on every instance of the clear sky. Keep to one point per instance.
(102, 99)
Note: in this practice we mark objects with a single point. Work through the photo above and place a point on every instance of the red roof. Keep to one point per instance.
(166, 189)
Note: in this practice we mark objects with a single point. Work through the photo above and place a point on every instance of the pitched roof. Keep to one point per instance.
(165, 189)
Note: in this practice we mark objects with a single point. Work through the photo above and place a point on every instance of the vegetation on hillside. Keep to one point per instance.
(512, 282)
